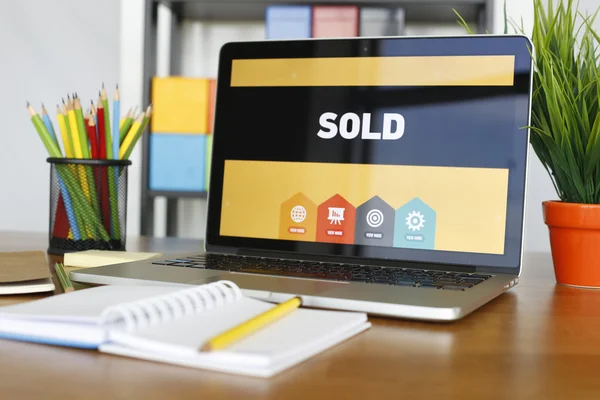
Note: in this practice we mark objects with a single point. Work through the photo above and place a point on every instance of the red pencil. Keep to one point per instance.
(104, 200)
(91, 131)
(101, 137)
(61, 221)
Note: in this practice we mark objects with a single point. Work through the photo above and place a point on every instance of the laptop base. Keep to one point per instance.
(421, 303)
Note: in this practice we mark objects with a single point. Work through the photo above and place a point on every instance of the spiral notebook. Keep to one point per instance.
(169, 324)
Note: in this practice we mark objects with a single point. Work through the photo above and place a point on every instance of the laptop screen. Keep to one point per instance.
(411, 149)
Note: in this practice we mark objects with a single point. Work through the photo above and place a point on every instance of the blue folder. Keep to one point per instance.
(288, 22)
(177, 162)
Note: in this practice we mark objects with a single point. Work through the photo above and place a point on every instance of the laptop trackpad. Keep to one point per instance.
(275, 284)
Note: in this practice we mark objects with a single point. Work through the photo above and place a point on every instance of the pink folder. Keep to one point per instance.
(335, 21)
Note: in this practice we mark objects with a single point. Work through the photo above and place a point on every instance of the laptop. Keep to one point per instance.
(385, 175)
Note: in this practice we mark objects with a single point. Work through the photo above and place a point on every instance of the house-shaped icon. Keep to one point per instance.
(298, 219)
(414, 225)
(335, 220)
(374, 223)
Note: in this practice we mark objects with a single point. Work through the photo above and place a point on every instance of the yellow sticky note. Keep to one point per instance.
(180, 105)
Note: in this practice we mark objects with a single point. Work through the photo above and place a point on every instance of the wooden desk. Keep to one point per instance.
(538, 341)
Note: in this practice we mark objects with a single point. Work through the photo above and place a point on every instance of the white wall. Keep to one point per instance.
(49, 49)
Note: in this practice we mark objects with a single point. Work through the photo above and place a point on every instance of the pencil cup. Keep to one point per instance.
(88, 204)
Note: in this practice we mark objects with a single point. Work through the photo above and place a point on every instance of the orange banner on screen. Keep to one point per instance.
(375, 71)
(438, 208)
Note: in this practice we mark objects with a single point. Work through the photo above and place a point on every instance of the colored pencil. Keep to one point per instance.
(75, 137)
(109, 155)
(64, 133)
(104, 197)
(81, 127)
(42, 131)
(86, 154)
(51, 146)
(94, 112)
(124, 119)
(116, 140)
(126, 124)
(108, 139)
(135, 133)
(115, 135)
(95, 116)
(61, 219)
(63, 278)
(101, 130)
(246, 328)
(91, 131)
(48, 123)
(131, 135)
(87, 201)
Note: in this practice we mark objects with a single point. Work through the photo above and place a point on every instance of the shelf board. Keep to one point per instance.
(169, 194)
(254, 10)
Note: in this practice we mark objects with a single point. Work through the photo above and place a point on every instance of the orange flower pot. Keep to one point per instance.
(574, 241)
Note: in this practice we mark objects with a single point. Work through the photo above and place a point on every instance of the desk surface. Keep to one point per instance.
(539, 340)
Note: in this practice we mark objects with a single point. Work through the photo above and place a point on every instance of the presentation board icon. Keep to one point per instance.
(335, 221)
(415, 225)
(374, 223)
(298, 219)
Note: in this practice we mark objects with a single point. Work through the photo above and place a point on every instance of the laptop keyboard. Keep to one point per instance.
(332, 271)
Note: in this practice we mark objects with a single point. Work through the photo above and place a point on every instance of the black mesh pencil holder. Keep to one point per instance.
(88, 204)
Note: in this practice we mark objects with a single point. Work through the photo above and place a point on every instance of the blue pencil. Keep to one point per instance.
(95, 115)
(116, 123)
(63, 188)
(116, 132)
(69, 208)
(48, 123)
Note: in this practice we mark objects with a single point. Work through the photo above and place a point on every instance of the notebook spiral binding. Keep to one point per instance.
(164, 308)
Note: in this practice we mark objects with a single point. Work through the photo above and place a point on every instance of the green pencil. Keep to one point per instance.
(127, 122)
(50, 144)
(139, 132)
(107, 131)
(63, 277)
(85, 150)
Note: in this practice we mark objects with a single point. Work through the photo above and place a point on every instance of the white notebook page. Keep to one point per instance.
(183, 337)
(81, 306)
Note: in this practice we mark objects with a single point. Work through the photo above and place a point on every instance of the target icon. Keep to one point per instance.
(374, 218)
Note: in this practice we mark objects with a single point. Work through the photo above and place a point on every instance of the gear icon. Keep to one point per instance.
(415, 221)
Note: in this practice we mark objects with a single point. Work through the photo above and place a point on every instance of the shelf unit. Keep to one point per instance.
(479, 12)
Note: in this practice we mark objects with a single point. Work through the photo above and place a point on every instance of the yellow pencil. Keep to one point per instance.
(145, 118)
(83, 139)
(131, 135)
(74, 129)
(260, 321)
(122, 122)
(62, 126)
(77, 147)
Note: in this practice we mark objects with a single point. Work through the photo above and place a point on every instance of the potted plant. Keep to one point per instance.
(565, 135)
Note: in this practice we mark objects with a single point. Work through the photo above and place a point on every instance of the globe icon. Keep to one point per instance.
(298, 214)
